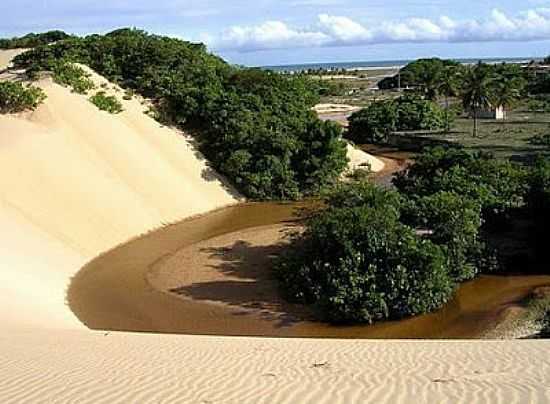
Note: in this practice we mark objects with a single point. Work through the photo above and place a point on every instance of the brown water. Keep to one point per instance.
(112, 292)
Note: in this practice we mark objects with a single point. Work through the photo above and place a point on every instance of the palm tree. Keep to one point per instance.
(448, 86)
(506, 92)
(429, 80)
(477, 90)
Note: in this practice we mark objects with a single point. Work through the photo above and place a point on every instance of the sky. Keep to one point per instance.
(276, 32)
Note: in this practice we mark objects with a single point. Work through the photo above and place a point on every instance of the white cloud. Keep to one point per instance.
(269, 35)
(343, 29)
(331, 30)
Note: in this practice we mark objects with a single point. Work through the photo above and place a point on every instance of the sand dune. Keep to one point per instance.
(75, 182)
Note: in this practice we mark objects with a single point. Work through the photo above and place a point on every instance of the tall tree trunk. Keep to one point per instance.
(447, 117)
(475, 122)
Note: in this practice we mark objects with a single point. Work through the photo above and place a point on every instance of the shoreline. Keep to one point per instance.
(188, 281)
(388, 64)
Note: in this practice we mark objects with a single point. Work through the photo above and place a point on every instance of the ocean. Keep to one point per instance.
(383, 64)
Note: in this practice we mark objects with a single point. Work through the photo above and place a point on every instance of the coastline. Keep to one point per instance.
(385, 64)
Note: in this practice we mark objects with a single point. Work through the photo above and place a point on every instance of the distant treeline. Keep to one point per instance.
(33, 40)
(423, 73)
(256, 127)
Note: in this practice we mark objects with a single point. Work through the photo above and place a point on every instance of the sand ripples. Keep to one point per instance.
(121, 368)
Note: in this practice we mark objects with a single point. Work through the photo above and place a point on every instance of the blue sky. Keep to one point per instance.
(263, 32)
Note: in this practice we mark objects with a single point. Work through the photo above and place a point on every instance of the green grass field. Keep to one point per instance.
(508, 138)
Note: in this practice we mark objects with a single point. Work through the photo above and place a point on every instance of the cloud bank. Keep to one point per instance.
(332, 31)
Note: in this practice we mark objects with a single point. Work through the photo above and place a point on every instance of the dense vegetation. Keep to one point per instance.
(106, 102)
(407, 113)
(32, 40)
(374, 254)
(480, 87)
(16, 97)
(357, 262)
(541, 140)
(538, 202)
(256, 127)
(423, 73)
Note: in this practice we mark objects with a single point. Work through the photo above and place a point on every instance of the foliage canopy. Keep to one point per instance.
(255, 127)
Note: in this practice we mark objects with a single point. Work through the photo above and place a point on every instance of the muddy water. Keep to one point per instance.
(112, 292)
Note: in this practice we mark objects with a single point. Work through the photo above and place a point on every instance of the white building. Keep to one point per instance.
(498, 113)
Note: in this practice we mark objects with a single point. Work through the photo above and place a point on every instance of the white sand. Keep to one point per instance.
(359, 159)
(6, 57)
(91, 367)
(74, 182)
(323, 109)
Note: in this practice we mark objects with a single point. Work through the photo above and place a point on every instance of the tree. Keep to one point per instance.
(477, 91)
(506, 91)
(449, 83)
(374, 123)
(415, 113)
(422, 73)
(359, 264)
(406, 113)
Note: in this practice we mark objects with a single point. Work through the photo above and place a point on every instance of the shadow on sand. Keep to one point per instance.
(249, 287)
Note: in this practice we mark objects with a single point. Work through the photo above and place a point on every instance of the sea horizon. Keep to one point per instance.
(379, 64)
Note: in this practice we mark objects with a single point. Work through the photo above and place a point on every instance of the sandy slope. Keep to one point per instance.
(74, 182)
(6, 57)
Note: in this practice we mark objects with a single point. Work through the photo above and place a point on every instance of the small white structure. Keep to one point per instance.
(498, 113)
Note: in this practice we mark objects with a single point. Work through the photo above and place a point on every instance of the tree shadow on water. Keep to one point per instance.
(245, 281)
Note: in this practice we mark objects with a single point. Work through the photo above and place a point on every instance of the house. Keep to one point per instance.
(498, 113)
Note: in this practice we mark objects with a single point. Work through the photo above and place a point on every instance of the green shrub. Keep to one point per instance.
(16, 97)
(454, 223)
(414, 113)
(72, 76)
(106, 103)
(357, 261)
(360, 265)
(495, 185)
(374, 123)
(364, 193)
(407, 113)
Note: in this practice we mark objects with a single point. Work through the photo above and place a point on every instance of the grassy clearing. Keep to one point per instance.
(512, 137)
